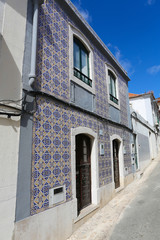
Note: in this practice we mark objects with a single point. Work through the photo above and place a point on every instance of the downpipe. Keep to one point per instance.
(32, 75)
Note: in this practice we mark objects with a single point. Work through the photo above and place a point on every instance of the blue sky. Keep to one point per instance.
(131, 31)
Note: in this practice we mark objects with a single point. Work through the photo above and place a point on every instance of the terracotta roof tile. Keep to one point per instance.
(133, 95)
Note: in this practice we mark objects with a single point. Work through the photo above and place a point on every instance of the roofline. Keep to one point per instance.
(149, 94)
(74, 9)
(143, 94)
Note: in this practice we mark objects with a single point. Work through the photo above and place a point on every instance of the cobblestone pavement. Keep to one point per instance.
(100, 226)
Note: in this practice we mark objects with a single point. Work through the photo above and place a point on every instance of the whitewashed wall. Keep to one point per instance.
(143, 107)
(12, 27)
(147, 142)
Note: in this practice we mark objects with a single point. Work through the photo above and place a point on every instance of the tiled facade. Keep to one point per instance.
(53, 120)
(52, 149)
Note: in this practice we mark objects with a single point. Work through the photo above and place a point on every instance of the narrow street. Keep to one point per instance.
(133, 214)
(141, 219)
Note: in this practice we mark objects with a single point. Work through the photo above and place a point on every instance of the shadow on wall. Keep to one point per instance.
(12, 123)
(10, 75)
(18, 6)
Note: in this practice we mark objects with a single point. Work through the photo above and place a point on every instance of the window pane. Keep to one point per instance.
(84, 62)
(113, 88)
(76, 56)
(110, 85)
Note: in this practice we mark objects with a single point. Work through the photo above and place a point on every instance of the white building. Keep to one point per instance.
(12, 35)
(145, 123)
(145, 104)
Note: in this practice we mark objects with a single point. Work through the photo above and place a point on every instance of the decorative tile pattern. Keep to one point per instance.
(53, 61)
(100, 85)
(51, 157)
(52, 56)
(51, 165)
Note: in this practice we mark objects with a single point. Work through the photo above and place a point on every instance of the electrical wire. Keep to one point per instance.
(11, 100)
(6, 110)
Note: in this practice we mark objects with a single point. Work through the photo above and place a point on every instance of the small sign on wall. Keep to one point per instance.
(57, 195)
(101, 132)
(101, 149)
(124, 150)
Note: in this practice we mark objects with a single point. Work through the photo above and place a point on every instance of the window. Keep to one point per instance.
(112, 87)
(81, 62)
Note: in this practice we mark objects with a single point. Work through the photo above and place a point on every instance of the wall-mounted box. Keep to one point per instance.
(124, 150)
(100, 132)
(126, 171)
(57, 195)
(101, 149)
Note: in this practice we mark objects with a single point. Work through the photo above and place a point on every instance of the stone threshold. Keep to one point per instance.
(86, 211)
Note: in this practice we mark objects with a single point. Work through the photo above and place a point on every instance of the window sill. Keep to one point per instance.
(86, 211)
(114, 104)
(83, 84)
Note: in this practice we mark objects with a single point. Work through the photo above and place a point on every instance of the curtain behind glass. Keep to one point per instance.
(76, 56)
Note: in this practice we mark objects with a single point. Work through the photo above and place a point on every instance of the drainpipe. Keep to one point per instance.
(32, 75)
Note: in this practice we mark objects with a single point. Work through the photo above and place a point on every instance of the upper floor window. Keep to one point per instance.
(81, 62)
(112, 87)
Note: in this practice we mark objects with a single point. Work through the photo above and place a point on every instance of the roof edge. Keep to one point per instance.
(71, 5)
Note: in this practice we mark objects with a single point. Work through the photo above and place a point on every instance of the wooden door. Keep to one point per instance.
(116, 163)
(83, 171)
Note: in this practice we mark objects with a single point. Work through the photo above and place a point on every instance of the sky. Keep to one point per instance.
(131, 31)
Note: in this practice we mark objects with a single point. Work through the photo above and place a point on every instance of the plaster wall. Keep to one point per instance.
(144, 151)
(143, 107)
(143, 143)
(12, 29)
(12, 48)
(149, 111)
(1, 14)
(50, 224)
(153, 145)
(139, 106)
(9, 143)
(147, 144)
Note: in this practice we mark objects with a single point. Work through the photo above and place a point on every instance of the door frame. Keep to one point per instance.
(83, 167)
(94, 165)
(121, 161)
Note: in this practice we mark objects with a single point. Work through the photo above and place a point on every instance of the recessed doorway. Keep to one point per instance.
(83, 171)
(116, 163)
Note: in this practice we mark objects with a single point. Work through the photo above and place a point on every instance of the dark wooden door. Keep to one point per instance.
(83, 171)
(116, 163)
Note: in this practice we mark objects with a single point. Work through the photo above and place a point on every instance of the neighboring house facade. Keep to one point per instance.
(145, 122)
(146, 105)
(75, 140)
(158, 102)
(12, 14)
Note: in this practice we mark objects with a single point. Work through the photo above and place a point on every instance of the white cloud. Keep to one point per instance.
(154, 69)
(84, 12)
(109, 45)
(125, 63)
(150, 2)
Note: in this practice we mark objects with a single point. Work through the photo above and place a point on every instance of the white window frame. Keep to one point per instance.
(121, 161)
(95, 197)
(75, 32)
(112, 70)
